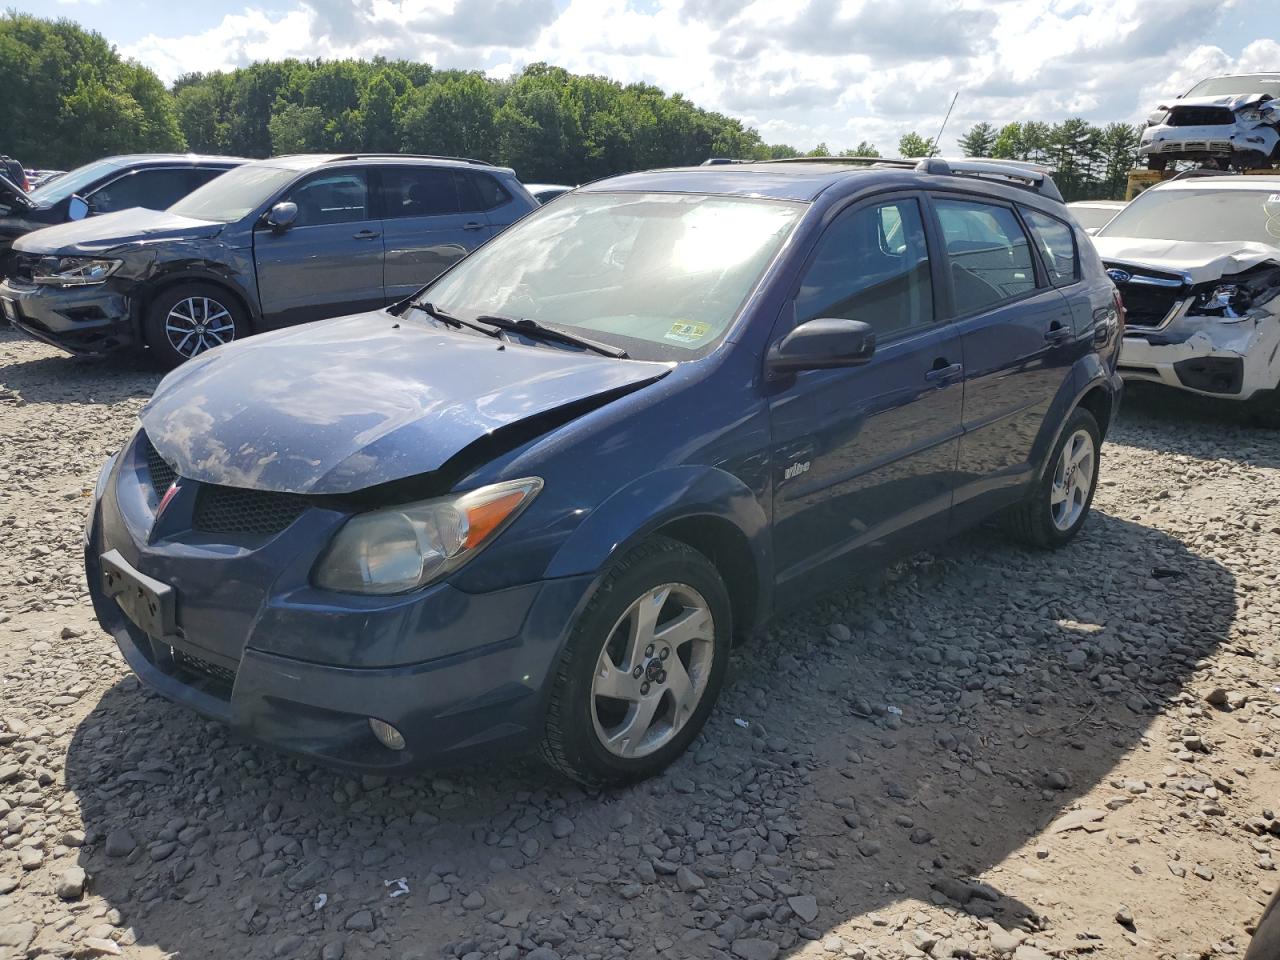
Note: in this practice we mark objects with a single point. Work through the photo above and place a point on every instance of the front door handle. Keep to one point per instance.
(473, 226)
(1057, 332)
(366, 235)
(944, 373)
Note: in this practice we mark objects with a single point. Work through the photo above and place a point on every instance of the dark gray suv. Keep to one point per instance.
(269, 244)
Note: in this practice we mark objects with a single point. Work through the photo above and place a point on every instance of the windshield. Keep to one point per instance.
(234, 194)
(73, 182)
(1092, 217)
(660, 275)
(1203, 216)
(1231, 86)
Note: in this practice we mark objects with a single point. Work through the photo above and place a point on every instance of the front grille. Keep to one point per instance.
(222, 676)
(161, 474)
(1201, 116)
(1147, 304)
(251, 512)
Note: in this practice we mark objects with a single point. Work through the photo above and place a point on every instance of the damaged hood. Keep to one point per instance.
(341, 405)
(102, 234)
(1198, 262)
(1232, 101)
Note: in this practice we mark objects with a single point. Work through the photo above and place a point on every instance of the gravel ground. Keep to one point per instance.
(985, 753)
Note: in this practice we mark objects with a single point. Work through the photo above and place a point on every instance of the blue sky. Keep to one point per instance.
(800, 71)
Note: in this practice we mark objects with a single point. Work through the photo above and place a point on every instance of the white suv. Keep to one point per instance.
(1231, 121)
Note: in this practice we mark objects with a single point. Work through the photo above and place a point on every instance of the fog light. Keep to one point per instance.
(387, 735)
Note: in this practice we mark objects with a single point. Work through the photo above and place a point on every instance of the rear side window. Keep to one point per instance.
(154, 189)
(1057, 243)
(872, 264)
(482, 192)
(989, 253)
(419, 192)
(332, 198)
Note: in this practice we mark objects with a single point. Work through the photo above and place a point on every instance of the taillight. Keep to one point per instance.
(1120, 314)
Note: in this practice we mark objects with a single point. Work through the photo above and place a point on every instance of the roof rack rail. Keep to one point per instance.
(1019, 173)
(410, 156)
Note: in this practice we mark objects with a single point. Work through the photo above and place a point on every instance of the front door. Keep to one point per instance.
(329, 263)
(864, 458)
(429, 225)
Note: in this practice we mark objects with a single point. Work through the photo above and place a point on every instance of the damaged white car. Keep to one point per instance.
(1197, 264)
(1233, 122)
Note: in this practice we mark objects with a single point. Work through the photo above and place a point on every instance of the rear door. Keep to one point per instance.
(329, 263)
(864, 457)
(427, 224)
(1017, 333)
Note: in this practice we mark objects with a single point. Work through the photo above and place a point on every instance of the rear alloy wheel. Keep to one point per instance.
(185, 321)
(642, 668)
(1060, 502)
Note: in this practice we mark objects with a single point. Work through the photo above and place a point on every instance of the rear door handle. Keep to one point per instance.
(473, 226)
(1057, 332)
(366, 235)
(942, 375)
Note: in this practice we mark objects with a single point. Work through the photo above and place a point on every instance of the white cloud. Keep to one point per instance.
(839, 71)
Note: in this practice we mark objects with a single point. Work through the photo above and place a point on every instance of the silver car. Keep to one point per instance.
(1233, 122)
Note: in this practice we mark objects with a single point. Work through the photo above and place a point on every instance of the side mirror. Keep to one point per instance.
(282, 216)
(823, 344)
(77, 207)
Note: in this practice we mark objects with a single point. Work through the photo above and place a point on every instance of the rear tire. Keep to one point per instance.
(1059, 505)
(184, 321)
(660, 674)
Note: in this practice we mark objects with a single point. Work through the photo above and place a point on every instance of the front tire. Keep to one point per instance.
(1058, 507)
(642, 669)
(184, 321)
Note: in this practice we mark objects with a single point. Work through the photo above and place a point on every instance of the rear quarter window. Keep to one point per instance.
(1057, 244)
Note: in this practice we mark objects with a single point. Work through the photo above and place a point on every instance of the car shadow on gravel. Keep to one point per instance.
(901, 741)
(1165, 420)
(66, 379)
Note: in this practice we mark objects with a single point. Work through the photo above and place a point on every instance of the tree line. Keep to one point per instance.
(70, 98)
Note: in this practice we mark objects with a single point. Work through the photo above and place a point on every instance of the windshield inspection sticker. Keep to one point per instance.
(686, 331)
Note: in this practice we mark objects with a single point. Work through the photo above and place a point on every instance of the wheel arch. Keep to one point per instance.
(708, 509)
(173, 279)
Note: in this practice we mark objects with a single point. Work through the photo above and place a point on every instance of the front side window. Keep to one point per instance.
(1057, 243)
(872, 265)
(418, 192)
(339, 197)
(154, 189)
(660, 275)
(76, 181)
(989, 253)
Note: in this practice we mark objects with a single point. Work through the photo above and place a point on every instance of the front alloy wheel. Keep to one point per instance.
(653, 670)
(642, 667)
(184, 321)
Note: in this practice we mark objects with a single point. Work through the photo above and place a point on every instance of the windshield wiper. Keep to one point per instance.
(448, 319)
(532, 328)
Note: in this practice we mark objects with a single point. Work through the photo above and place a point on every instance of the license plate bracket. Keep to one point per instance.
(149, 603)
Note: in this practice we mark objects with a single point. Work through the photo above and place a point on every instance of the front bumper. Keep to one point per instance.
(461, 676)
(1222, 140)
(81, 320)
(1234, 361)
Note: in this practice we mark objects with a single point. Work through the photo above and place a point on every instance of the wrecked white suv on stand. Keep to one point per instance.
(1233, 122)
(1197, 264)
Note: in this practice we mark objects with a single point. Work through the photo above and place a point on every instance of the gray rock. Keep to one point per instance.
(751, 948)
(473, 900)
(561, 827)
(17, 936)
(287, 946)
(120, 843)
(805, 907)
(30, 858)
(361, 920)
(333, 950)
(688, 881)
(438, 893)
(542, 953)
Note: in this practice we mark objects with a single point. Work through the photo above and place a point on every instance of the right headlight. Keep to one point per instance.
(402, 548)
(1157, 117)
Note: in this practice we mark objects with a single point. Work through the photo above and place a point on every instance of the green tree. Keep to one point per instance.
(69, 97)
(863, 149)
(914, 145)
(453, 115)
(979, 140)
